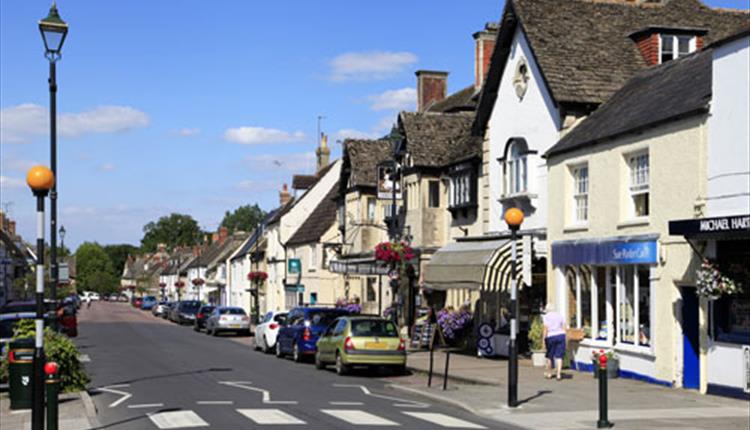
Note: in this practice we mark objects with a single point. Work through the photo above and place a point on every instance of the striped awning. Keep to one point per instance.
(498, 273)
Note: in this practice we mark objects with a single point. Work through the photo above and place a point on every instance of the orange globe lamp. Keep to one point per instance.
(514, 218)
(40, 179)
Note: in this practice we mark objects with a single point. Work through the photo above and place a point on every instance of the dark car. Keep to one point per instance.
(200, 318)
(185, 311)
(302, 329)
(168, 309)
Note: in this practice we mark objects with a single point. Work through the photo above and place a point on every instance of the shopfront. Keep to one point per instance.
(606, 288)
(724, 242)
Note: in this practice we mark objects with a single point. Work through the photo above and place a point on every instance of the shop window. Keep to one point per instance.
(580, 311)
(599, 316)
(730, 315)
(371, 296)
(635, 305)
(639, 184)
(433, 198)
(580, 194)
(570, 281)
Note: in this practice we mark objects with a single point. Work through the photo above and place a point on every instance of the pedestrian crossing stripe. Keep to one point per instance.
(444, 420)
(270, 416)
(358, 417)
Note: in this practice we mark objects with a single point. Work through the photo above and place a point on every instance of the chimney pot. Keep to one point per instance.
(284, 195)
(484, 45)
(323, 153)
(432, 87)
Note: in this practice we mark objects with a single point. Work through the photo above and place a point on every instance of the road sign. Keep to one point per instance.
(294, 265)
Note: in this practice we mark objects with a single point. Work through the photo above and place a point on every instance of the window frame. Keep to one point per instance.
(577, 196)
(433, 194)
(675, 51)
(637, 186)
(462, 187)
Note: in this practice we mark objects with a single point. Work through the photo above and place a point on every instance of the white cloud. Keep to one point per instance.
(8, 182)
(350, 133)
(297, 163)
(369, 65)
(258, 186)
(185, 132)
(402, 99)
(19, 123)
(260, 135)
(107, 167)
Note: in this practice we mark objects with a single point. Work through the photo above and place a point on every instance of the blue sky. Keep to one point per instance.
(190, 106)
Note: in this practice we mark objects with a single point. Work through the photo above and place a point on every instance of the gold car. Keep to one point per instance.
(361, 341)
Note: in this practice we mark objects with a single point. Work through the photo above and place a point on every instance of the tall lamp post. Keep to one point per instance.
(40, 179)
(397, 140)
(514, 219)
(53, 30)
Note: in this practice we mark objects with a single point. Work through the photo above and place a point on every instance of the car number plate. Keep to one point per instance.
(375, 345)
(234, 326)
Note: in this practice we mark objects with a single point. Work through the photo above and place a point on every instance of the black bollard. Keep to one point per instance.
(53, 387)
(603, 422)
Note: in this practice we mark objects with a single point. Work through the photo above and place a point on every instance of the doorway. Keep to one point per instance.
(690, 339)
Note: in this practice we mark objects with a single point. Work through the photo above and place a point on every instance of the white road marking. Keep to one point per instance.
(111, 389)
(403, 402)
(357, 417)
(146, 405)
(444, 420)
(177, 419)
(270, 416)
(266, 394)
(84, 358)
(347, 403)
(215, 402)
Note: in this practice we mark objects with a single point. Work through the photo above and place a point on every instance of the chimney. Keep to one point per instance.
(431, 88)
(284, 195)
(223, 234)
(215, 237)
(196, 250)
(484, 45)
(323, 153)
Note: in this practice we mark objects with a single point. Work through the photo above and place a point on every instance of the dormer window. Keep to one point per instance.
(672, 47)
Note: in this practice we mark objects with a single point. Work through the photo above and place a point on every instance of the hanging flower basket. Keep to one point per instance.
(179, 284)
(454, 324)
(352, 306)
(393, 254)
(162, 285)
(198, 282)
(712, 284)
(257, 277)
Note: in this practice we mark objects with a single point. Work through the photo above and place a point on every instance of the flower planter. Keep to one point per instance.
(613, 368)
(538, 359)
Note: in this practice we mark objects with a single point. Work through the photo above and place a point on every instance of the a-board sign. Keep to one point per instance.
(423, 334)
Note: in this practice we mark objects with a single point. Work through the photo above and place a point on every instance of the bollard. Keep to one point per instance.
(603, 421)
(432, 361)
(445, 375)
(52, 386)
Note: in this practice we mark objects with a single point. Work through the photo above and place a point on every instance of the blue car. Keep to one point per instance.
(300, 333)
(148, 303)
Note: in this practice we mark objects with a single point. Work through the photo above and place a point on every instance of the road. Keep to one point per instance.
(148, 373)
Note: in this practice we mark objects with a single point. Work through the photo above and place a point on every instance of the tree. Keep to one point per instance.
(244, 218)
(94, 269)
(118, 254)
(173, 230)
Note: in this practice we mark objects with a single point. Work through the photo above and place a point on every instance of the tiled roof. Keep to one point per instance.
(436, 139)
(673, 90)
(583, 47)
(362, 156)
(290, 204)
(218, 251)
(319, 221)
(460, 101)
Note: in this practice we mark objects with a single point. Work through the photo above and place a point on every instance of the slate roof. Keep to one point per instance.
(218, 251)
(583, 47)
(290, 204)
(670, 91)
(319, 221)
(303, 182)
(254, 237)
(436, 139)
(460, 101)
(361, 157)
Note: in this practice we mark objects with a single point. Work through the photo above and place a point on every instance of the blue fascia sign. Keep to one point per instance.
(604, 252)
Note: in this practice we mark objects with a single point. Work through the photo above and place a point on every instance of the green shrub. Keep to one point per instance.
(536, 334)
(57, 348)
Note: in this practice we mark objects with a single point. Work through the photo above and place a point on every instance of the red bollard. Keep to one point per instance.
(603, 421)
(53, 387)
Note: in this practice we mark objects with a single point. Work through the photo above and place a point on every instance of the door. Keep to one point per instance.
(690, 339)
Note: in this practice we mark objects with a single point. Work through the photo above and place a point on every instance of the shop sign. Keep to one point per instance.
(295, 266)
(727, 224)
(604, 253)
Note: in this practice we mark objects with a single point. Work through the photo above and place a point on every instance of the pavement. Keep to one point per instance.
(148, 373)
(479, 385)
(76, 411)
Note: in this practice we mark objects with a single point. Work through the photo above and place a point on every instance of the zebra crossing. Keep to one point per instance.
(185, 419)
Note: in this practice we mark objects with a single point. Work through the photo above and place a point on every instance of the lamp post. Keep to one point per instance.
(514, 219)
(53, 30)
(62, 232)
(40, 179)
(397, 140)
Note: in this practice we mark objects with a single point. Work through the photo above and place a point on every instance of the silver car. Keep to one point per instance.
(228, 318)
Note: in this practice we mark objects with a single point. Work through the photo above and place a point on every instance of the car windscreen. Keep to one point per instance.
(190, 307)
(232, 311)
(322, 317)
(373, 328)
(206, 309)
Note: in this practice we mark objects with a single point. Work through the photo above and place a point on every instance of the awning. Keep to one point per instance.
(727, 227)
(479, 265)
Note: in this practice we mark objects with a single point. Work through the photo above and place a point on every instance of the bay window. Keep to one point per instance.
(461, 187)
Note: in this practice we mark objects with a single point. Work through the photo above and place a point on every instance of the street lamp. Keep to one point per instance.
(62, 233)
(40, 179)
(514, 219)
(53, 30)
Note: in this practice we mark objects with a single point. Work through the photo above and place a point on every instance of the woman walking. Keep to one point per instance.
(554, 340)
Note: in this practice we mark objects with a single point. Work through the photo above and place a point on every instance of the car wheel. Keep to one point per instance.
(318, 362)
(264, 345)
(400, 370)
(296, 355)
(279, 353)
(214, 332)
(341, 368)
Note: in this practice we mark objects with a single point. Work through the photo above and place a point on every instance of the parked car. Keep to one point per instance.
(200, 318)
(148, 303)
(137, 302)
(94, 296)
(228, 318)
(361, 340)
(159, 309)
(168, 310)
(300, 333)
(184, 312)
(268, 329)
